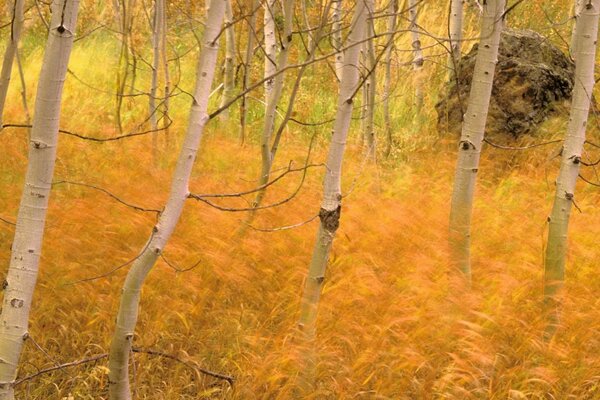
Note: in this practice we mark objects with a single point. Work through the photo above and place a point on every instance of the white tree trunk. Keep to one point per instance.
(576, 12)
(270, 46)
(11, 49)
(336, 36)
(332, 193)
(471, 139)
(229, 68)
(167, 76)
(27, 244)
(413, 13)
(370, 87)
(128, 309)
(157, 25)
(587, 34)
(387, 84)
(455, 30)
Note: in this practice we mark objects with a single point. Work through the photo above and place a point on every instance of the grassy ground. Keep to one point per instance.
(392, 324)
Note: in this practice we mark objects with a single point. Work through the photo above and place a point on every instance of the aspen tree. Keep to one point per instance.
(391, 27)
(27, 243)
(336, 35)
(471, 140)
(167, 77)
(370, 88)
(128, 308)
(229, 68)
(576, 12)
(417, 62)
(558, 221)
(455, 32)
(16, 28)
(270, 47)
(273, 95)
(331, 205)
(157, 26)
(247, 65)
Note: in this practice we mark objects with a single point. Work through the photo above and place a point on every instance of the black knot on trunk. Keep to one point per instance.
(330, 219)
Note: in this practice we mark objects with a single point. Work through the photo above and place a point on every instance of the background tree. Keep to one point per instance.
(16, 26)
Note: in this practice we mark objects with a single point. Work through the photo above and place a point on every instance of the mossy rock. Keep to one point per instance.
(532, 77)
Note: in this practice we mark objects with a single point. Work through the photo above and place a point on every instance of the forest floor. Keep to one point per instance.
(392, 324)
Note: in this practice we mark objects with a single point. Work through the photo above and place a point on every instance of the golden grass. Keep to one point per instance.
(392, 324)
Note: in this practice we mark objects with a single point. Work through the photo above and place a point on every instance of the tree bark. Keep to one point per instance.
(455, 27)
(387, 84)
(336, 35)
(556, 251)
(413, 13)
(471, 140)
(16, 28)
(157, 26)
(576, 12)
(128, 309)
(229, 68)
(247, 66)
(27, 244)
(370, 88)
(332, 194)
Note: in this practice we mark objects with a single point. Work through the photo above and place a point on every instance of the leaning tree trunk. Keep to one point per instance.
(455, 27)
(27, 244)
(417, 53)
(387, 84)
(247, 65)
(329, 213)
(229, 68)
(587, 34)
(11, 50)
(128, 309)
(471, 139)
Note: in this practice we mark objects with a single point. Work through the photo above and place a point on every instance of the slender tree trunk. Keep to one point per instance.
(329, 213)
(27, 244)
(387, 84)
(23, 89)
(471, 139)
(123, 67)
(336, 36)
(11, 49)
(455, 30)
(370, 89)
(270, 47)
(157, 25)
(417, 53)
(273, 97)
(128, 309)
(556, 251)
(247, 66)
(167, 77)
(229, 68)
(576, 12)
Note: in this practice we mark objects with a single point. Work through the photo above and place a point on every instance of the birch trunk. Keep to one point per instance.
(473, 129)
(229, 68)
(167, 77)
(27, 244)
(417, 52)
(270, 47)
(128, 309)
(587, 33)
(576, 12)
(247, 65)
(157, 25)
(273, 97)
(370, 88)
(392, 10)
(329, 213)
(336, 34)
(11, 50)
(455, 32)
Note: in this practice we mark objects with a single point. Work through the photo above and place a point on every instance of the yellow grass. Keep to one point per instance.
(393, 323)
